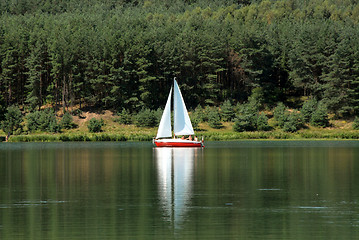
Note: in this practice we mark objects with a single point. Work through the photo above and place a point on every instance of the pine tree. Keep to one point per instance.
(320, 116)
(2, 109)
(227, 112)
(355, 124)
(67, 121)
(294, 122)
(280, 114)
(246, 119)
(308, 109)
(262, 123)
(307, 57)
(9, 73)
(95, 125)
(12, 121)
(37, 69)
(214, 119)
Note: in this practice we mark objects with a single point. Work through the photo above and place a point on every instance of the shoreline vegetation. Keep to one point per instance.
(112, 130)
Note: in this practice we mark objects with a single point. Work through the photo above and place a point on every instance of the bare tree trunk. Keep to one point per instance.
(56, 94)
(63, 93)
(40, 90)
(9, 94)
(72, 97)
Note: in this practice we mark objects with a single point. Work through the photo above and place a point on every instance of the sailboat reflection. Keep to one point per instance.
(175, 174)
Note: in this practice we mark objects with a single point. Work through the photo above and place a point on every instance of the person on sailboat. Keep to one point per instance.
(189, 138)
(195, 138)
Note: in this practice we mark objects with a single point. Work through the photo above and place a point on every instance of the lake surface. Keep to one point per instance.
(228, 190)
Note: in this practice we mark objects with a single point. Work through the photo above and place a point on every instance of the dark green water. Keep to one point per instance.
(229, 190)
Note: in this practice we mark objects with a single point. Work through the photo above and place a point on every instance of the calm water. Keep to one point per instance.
(229, 190)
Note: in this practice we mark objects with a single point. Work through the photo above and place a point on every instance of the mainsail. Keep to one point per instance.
(164, 129)
(182, 123)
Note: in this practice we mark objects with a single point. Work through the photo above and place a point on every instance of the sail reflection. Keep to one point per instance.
(175, 174)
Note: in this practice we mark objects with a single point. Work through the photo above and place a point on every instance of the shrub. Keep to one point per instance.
(158, 115)
(195, 119)
(198, 114)
(205, 113)
(12, 120)
(125, 117)
(67, 121)
(308, 109)
(145, 118)
(227, 112)
(214, 119)
(246, 119)
(95, 125)
(77, 112)
(43, 121)
(243, 123)
(32, 122)
(262, 123)
(54, 126)
(280, 114)
(320, 116)
(294, 122)
(356, 123)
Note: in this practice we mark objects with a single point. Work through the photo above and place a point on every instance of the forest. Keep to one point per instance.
(124, 54)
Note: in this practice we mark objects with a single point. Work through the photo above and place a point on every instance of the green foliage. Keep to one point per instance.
(246, 119)
(256, 99)
(158, 115)
(214, 119)
(67, 121)
(205, 113)
(42, 120)
(262, 123)
(355, 125)
(308, 109)
(243, 123)
(125, 117)
(77, 112)
(12, 122)
(2, 109)
(33, 121)
(227, 111)
(195, 120)
(198, 114)
(280, 114)
(145, 118)
(260, 51)
(320, 116)
(95, 125)
(295, 121)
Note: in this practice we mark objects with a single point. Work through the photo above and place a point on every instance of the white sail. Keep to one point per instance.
(164, 129)
(182, 123)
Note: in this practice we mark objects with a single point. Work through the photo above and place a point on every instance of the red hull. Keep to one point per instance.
(178, 144)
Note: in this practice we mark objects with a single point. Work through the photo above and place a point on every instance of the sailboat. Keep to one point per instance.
(181, 123)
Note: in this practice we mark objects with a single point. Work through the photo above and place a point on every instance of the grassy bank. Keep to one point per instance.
(113, 131)
(208, 136)
(85, 137)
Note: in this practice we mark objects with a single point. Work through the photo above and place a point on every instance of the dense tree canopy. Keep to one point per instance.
(124, 54)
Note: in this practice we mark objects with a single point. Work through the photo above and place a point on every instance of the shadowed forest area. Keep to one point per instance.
(108, 54)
